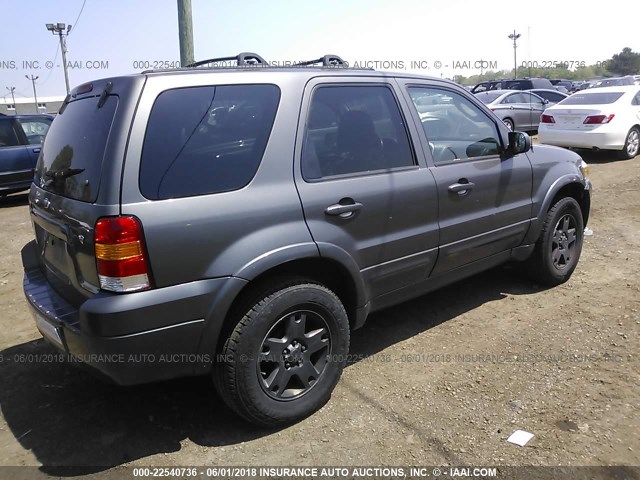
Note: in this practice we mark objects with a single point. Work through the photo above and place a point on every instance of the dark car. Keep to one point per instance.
(512, 84)
(244, 222)
(21, 137)
(567, 84)
(526, 83)
(486, 86)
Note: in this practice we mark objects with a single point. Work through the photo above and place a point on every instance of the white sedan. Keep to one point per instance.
(605, 118)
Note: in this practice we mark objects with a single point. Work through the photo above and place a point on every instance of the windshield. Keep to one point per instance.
(595, 98)
(70, 163)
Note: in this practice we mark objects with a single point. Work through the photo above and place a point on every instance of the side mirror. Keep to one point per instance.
(519, 142)
(545, 101)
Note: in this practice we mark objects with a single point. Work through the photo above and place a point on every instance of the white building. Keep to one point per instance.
(25, 105)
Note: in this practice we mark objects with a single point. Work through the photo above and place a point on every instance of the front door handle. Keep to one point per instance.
(345, 210)
(462, 187)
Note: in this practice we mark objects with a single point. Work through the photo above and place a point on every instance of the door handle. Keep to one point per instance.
(343, 210)
(36, 150)
(461, 188)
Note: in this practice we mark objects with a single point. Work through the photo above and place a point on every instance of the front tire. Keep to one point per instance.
(284, 357)
(560, 243)
(631, 144)
(509, 123)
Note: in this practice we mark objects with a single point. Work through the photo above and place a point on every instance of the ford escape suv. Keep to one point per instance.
(241, 222)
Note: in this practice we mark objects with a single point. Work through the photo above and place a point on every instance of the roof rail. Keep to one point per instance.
(326, 61)
(242, 59)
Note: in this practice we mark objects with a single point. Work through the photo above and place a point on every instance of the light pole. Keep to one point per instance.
(59, 29)
(35, 96)
(185, 32)
(515, 36)
(13, 98)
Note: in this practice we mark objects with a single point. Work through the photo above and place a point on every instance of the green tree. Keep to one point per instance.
(626, 62)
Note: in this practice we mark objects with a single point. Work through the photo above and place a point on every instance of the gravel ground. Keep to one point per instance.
(441, 380)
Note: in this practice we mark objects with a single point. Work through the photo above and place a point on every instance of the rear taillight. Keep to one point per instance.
(547, 119)
(120, 255)
(598, 119)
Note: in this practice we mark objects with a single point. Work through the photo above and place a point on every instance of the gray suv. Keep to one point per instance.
(242, 222)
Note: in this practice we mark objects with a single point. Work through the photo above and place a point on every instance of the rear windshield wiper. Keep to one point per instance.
(61, 174)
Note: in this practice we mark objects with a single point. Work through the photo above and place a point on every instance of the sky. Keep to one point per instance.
(119, 37)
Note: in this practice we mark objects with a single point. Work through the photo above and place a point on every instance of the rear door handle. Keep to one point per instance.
(36, 150)
(461, 188)
(341, 210)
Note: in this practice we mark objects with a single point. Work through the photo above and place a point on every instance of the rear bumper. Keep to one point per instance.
(581, 139)
(129, 338)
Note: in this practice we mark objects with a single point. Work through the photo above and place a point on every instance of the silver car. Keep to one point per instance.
(519, 110)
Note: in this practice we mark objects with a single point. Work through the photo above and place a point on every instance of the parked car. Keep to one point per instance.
(614, 82)
(606, 118)
(513, 84)
(579, 85)
(242, 222)
(21, 137)
(517, 109)
(553, 96)
(566, 84)
(527, 84)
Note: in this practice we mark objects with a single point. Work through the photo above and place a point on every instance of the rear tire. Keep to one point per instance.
(631, 144)
(560, 243)
(284, 357)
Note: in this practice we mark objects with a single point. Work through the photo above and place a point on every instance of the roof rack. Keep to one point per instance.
(326, 61)
(242, 59)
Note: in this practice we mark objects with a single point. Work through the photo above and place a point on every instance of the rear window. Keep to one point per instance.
(488, 97)
(595, 98)
(70, 163)
(204, 140)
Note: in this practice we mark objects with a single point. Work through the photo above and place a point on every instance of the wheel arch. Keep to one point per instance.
(262, 274)
(566, 186)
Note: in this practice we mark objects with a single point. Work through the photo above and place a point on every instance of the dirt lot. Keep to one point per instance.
(490, 355)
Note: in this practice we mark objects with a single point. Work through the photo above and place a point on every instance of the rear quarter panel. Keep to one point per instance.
(235, 233)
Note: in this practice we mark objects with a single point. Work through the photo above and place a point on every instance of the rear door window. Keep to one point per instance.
(204, 140)
(70, 163)
(354, 130)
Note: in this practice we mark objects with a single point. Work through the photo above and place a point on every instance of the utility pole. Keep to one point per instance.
(59, 29)
(515, 36)
(185, 32)
(13, 97)
(35, 96)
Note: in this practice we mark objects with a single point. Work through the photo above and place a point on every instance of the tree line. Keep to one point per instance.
(627, 62)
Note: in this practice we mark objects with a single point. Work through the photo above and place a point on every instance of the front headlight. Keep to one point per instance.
(584, 168)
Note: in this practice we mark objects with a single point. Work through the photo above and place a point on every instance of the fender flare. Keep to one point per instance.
(556, 186)
(224, 298)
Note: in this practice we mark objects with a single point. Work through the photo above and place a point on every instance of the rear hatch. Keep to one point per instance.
(77, 181)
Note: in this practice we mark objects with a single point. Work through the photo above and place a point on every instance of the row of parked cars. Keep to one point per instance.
(598, 115)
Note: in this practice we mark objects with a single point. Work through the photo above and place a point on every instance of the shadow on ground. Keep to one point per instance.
(67, 417)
